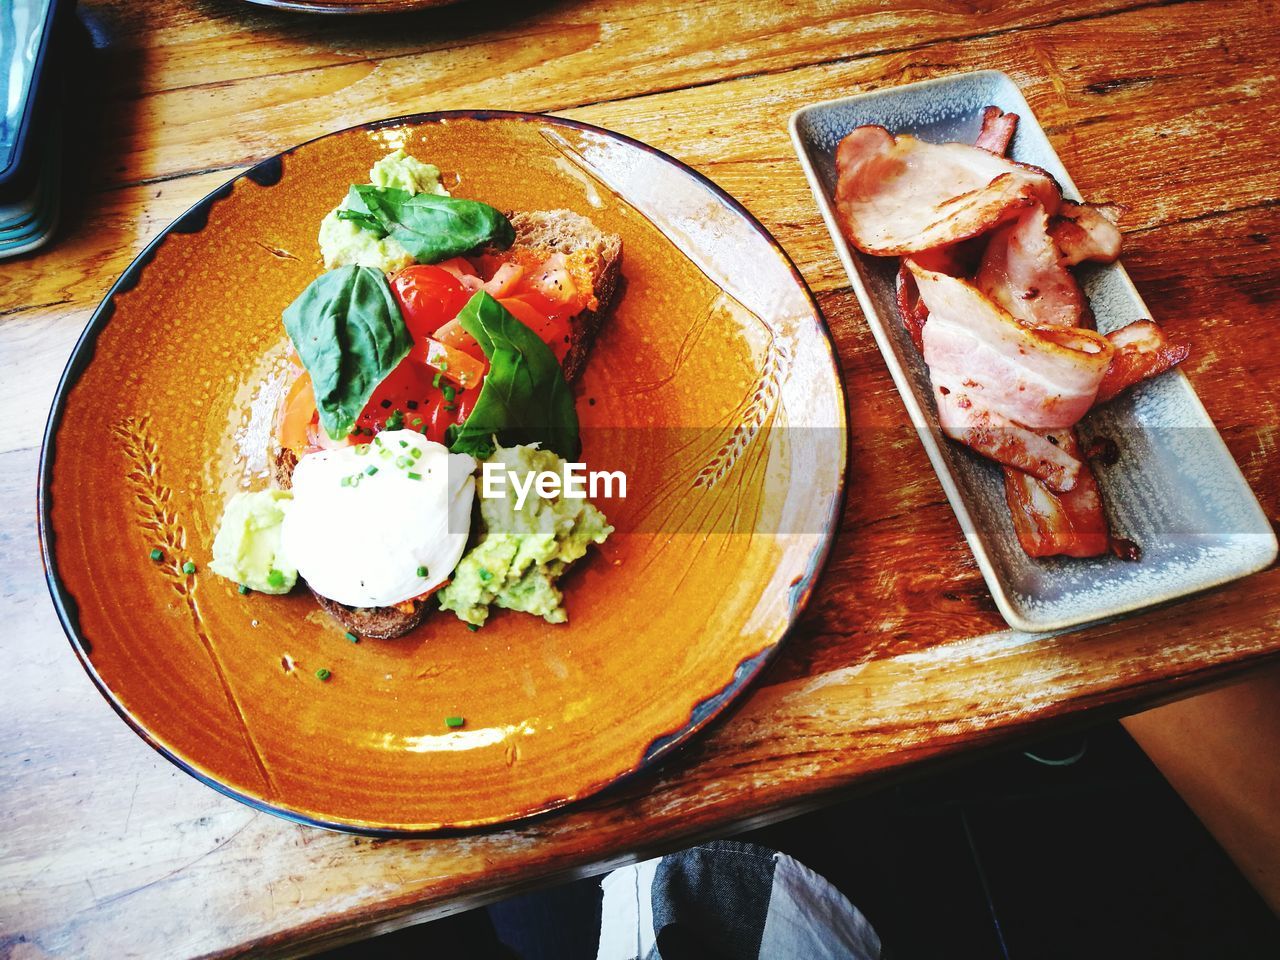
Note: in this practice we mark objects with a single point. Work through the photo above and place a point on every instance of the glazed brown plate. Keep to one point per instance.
(713, 386)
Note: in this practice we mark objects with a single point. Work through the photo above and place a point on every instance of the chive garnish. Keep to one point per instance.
(351, 636)
(435, 381)
(244, 591)
(415, 453)
(404, 443)
(454, 722)
(323, 673)
(157, 554)
(188, 567)
(371, 469)
(417, 421)
(473, 627)
(415, 476)
(275, 578)
(450, 393)
(444, 364)
(344, 482)
(485, 575)
(450, 407)
(422, 571)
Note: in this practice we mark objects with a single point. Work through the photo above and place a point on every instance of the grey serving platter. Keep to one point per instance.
(1175, 489)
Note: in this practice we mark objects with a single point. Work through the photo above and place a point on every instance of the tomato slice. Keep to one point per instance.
(428, 297)
(293, 422)
(452, 335)
(462, 368)
(553, 331)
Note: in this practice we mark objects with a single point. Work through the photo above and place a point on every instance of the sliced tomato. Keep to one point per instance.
(504, 280)
(293, 422)
(455, 365)
(553, 331)
(429, 297)
(452, 335)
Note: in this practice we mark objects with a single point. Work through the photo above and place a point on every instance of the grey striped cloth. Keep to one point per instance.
(729, 901)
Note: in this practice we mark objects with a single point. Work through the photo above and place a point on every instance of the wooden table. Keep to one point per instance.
(1172, 108)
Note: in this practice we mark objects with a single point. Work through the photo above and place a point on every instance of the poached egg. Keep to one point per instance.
(376, 524)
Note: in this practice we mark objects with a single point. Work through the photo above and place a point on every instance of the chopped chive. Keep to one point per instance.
(244, 591)
(323, 673)
(435, 381)
(444, 364)
(473, 627)
(422, 571)
(395, 421)
(415, 453)
(384, 453)
(351, 636)
(454, 722)
(404, 443)
(485, 575)
(344, 482)
(275, 578)
(402, 462)
(450, 407)
(189, 567)
(415, 476)
(378, 441)
(417, 421)
(371, 469)
(157, 554)
(450, 393)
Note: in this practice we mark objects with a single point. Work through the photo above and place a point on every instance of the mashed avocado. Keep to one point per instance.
(342, 242)
(523, 552)
(247, 547)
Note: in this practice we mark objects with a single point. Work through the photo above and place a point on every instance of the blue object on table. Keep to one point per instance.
(30, 134)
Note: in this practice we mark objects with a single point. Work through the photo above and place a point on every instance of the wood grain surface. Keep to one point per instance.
(1172, 108)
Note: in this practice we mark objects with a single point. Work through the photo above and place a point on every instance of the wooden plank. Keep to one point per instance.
(251, 83)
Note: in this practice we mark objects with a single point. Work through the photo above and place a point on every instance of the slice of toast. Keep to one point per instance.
(541, 233)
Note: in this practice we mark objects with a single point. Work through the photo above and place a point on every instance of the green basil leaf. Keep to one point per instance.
(363, 220)
(430, 227)
(524, 397)
(349, 334)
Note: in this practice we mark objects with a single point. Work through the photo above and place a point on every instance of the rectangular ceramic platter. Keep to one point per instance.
(1175, 490)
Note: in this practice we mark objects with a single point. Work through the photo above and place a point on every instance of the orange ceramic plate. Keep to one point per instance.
(712, 385)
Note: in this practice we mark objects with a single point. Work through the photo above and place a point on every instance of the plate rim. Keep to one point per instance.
(704, 712)
(932, 444)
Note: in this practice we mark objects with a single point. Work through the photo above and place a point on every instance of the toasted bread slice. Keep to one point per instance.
(542, 233)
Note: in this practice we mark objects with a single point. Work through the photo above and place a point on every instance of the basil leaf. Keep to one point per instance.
(430, 227)
(524, 397)
(349, 333)
(365, 221)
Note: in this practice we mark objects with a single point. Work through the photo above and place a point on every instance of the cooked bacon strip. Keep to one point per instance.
(1023, 272)
(910, 307)
(1004, 441)
(997, 130)
(1045, 379)
(1050, 524)
(1142, 351)
(1087, 231)
(898, 195)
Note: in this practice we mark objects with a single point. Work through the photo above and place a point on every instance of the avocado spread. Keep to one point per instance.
(343, 242)
(247, 547)
(523, 552)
